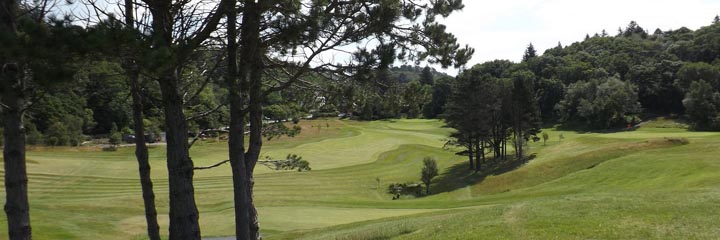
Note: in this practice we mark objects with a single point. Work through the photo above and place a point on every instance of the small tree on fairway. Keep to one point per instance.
(429, 171)
(545, 138)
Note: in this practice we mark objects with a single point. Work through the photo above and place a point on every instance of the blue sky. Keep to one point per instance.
(502, 29)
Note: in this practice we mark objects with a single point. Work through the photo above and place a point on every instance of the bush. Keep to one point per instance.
(65, 133)
(115, 136)
(677, 140)
(57, 135)
(34, 138)
(110, 148)
(409, 188)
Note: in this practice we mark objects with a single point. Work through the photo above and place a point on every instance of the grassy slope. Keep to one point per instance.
(587, 186)
(601, 186)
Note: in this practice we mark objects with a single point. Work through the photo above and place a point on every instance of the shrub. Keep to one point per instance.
(409, 188)
(115, 136)
(65, 133)
(677, 140)
(110, 148)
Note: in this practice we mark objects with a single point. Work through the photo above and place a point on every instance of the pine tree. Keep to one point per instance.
(173, 45)
(530, 53)
(36, 56)
(339, 29)
(716, 20)
(426, 78)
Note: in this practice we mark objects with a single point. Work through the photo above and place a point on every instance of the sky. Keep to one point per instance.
(502, 29)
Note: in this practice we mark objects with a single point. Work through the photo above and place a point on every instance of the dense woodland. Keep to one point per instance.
(182, 68)
(599, 84)
(604, 82)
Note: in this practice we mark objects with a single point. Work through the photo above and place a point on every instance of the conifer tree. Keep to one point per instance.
(426, 78)
(530, 52)
(37, 54)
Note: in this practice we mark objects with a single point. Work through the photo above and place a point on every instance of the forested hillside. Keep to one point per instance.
(609, 81)
(605, 81)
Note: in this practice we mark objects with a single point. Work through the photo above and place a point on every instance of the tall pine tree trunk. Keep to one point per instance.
(141, 154)
(17, 207)
(253, 154)
(236, 141)
(478, 151)
(141, 150)
(183, 210)
(251, 73)
(482, 151)
(471, 154)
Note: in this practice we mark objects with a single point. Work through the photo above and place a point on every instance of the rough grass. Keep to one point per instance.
(653, 183)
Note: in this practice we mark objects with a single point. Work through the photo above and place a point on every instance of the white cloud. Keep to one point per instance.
(502, 29)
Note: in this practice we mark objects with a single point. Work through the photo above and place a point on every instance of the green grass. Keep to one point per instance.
(627, 185)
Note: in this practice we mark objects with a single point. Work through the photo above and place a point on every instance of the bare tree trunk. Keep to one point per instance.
(141, 150)
(183, 210)
(482, 150)
(504, 148)
(236, 142)
(141, 154)
(471, 154)
(17, 208)
(252, 65)
(253, 154)
(478, 150)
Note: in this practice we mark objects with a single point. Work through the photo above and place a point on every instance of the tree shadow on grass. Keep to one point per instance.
(460, 175)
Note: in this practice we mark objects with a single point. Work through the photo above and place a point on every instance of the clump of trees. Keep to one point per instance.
(491, 104)
(600, 103)
(702, 103)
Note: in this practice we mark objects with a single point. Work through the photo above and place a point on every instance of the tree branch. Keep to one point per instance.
(211, 166)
